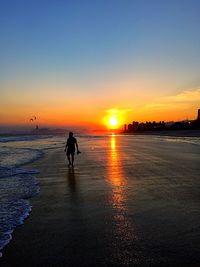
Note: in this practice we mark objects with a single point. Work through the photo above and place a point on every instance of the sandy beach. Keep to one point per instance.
(129, 201)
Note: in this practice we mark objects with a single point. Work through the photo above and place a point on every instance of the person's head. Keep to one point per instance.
(70, 134)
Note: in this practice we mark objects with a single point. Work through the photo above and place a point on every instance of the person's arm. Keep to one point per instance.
(78, 152)
(76, 146)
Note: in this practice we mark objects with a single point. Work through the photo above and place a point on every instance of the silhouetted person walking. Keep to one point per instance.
(70, 147)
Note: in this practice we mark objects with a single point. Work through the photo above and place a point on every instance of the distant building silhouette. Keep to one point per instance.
(198, 116)
(130, 127)
(159, 126)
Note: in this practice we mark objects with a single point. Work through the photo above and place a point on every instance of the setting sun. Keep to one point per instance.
(113, 121)
(115, 118)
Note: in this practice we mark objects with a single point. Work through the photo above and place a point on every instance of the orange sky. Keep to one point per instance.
(57, 108)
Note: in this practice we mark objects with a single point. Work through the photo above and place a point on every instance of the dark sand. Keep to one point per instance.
(130, 201)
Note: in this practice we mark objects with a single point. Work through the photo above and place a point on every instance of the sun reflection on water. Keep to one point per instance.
(115, 175)
(123, 229)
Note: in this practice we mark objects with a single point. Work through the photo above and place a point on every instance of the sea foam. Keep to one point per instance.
(17, 185)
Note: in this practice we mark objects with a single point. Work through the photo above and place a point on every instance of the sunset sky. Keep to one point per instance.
(74, 62)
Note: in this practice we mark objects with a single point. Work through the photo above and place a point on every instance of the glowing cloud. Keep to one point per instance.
(175, 107)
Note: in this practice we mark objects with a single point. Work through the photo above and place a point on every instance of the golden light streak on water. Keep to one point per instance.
(123, 228)
(115, 173)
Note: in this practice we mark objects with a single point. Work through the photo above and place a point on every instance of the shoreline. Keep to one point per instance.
(21, 251)
(171, 133)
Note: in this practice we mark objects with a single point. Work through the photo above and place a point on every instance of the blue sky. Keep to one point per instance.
(95, 45)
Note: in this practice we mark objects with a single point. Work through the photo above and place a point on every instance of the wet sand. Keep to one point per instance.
(129, 201)
(175, 133)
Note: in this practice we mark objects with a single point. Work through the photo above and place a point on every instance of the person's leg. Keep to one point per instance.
(72, 159)
(68, 157)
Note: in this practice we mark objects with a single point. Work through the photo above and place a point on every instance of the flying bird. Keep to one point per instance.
(33, 118)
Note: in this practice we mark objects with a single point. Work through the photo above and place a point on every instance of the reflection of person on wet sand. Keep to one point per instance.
(71, 180)
(70, 148)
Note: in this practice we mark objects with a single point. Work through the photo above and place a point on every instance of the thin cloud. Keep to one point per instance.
(185, 98)
(178, 106)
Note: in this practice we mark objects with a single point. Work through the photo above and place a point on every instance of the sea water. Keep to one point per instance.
(17, 183)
